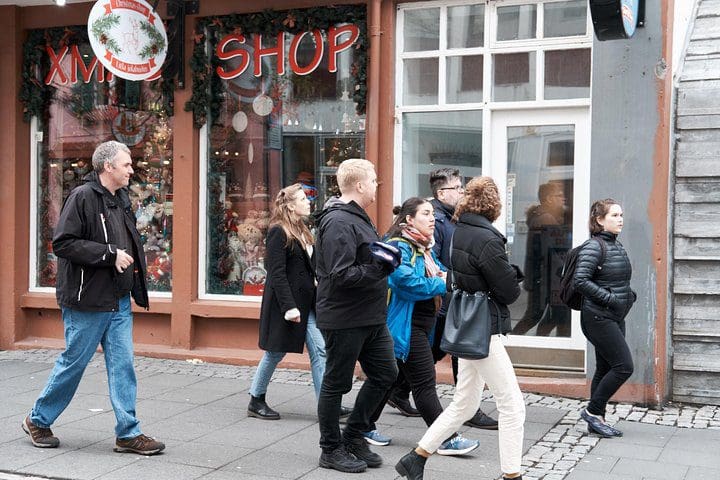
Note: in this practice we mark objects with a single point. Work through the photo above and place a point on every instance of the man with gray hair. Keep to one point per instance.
(101, 264)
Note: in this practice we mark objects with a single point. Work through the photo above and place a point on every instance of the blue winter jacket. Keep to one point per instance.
(408, 284)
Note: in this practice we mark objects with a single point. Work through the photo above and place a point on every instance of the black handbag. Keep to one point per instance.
(468, 323)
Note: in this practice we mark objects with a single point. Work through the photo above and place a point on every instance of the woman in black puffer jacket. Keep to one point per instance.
(602, 276)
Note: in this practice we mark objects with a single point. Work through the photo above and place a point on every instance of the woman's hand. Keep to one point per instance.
(293, 315)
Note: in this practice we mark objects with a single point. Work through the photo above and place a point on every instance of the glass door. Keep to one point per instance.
(541, 162)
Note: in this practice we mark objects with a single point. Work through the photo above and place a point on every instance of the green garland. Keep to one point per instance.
(206, 88)
(157, 42)
(36, 96)
(100, 29)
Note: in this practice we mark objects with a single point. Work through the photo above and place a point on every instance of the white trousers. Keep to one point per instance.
(497, 371)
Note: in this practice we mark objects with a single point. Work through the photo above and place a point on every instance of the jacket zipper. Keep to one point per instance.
(102, 219)
(82, 280)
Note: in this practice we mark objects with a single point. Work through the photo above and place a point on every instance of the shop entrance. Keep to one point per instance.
(540, 160)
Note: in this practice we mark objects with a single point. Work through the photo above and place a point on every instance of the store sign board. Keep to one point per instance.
(234, 46)
(128, 38)
(616, 19)
(77, 64)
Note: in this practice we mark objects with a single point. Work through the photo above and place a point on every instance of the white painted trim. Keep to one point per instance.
(202, 214)
(203, 228)
(581, 119)
(32, 280)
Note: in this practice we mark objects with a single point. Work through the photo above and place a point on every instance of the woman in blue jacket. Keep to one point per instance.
(417, 287)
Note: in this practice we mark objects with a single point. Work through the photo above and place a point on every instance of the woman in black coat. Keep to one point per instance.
(479, 263)
(602, 276)
(287, 316)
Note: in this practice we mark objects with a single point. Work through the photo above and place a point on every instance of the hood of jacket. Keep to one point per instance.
(334, 204)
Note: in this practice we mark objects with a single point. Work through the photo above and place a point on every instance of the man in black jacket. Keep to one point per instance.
(351, 314)
(101, 263)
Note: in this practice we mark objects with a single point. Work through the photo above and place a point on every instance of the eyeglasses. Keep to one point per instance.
(457, 188)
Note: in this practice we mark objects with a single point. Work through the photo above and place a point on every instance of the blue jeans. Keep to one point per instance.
(316, 350)
(83, 332)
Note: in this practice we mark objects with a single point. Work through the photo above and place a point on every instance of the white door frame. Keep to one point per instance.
(496, 167)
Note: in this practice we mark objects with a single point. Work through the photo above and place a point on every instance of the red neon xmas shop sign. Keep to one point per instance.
(224, 51)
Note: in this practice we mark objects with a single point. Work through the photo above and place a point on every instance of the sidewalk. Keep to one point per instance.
(198, 410)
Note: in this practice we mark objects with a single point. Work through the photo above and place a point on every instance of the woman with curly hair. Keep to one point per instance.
(479, 263)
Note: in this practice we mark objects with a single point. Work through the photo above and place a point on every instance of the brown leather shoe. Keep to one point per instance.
(142, 445)
(39, 436)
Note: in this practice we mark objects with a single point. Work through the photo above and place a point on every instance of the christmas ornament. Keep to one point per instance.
(262, 105)
(239, 122)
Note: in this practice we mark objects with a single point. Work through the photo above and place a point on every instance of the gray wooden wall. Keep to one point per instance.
(696, 220)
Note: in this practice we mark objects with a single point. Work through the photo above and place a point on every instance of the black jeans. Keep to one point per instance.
(373, 347)
(613, 360)
(418, 371)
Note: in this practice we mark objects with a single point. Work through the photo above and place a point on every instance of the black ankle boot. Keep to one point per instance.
(259, 409)
(411, 466)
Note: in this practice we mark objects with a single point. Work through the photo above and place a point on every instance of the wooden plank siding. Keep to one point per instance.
(696, 218)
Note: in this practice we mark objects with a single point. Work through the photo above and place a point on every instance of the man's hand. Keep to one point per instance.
(122, 260)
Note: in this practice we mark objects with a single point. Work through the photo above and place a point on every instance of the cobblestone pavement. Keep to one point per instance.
(552, 457)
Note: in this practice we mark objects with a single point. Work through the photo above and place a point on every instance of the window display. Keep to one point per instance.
(84, 105)
(285, 105)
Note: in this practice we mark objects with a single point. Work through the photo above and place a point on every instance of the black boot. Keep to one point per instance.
(481, 420)
(411, 466)
(259, 409)
(404, 406)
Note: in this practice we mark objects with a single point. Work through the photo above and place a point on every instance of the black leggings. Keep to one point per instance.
(613, 361)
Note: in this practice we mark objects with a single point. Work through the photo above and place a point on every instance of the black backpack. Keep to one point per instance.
(568, 295)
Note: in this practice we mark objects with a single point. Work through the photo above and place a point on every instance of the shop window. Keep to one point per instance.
(290, 118)
(85, 109)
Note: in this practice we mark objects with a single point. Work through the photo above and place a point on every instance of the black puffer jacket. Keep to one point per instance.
(605, 288)
(480, 263)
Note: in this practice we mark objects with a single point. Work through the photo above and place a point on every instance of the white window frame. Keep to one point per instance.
(490, 47)
(36, 136)
(537, 110)
(203, 231)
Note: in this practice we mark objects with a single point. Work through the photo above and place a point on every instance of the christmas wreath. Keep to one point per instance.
(206, 88)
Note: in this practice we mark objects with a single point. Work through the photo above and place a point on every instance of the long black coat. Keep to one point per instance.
(480, 264)
(290, 284)
(605, 288)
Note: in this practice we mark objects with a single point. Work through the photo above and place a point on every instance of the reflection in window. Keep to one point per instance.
(420, 86)
(514, 77)
(564, 19)
(464, 79)
(516, 22)
(567, 73)
(466, 26)
(83, 115)
(539, 223)
(273, 130)
(421, 30)
(435, 140)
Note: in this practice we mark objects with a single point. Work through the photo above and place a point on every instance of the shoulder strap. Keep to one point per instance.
(412, 247)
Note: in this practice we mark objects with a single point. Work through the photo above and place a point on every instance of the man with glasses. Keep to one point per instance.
(447, 189)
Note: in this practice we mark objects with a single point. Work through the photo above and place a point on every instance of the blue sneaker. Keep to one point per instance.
(374, 437)
(458, 445)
